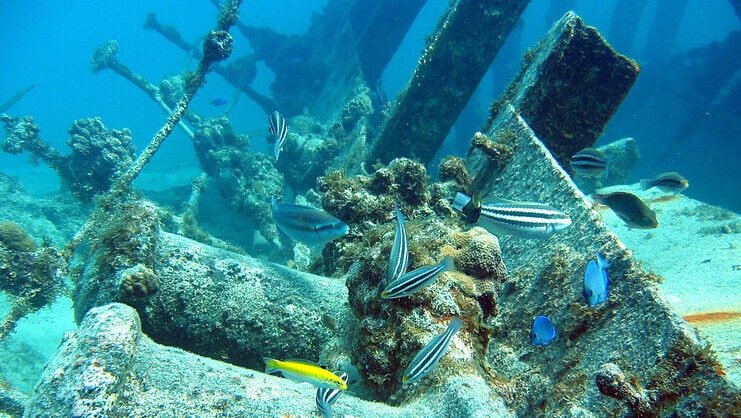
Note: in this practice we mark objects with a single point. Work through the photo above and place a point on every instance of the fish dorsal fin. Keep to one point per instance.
(305, 362)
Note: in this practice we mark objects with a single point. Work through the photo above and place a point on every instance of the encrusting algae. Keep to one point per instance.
(390, 332)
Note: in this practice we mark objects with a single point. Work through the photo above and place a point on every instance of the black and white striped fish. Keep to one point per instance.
(399, 256)
(326, 397)
(431, 353)
(502, 216)
(279, 130)
(409, 283)
(589, 162)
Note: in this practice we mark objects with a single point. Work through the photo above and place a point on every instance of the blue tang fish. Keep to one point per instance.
(218, 101)
(596, 281)
(543, 331)
(306, 224)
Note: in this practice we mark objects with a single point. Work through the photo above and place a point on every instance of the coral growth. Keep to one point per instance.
(27, 273)
(248, 180)
(390, 332)
(98, 156)
(123, 253)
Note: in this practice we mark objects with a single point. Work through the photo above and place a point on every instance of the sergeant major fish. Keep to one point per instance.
(306, 224)
(502, 216)
(411, 282)
(589, 162)
(305, 371)
(325, 398)
(596, 282)
(630, 208)
(670, 182)
(431, 353)
(279, 130)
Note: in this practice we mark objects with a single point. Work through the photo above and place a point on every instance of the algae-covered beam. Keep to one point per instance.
(239, 73)
(467, 40)
(569, 87)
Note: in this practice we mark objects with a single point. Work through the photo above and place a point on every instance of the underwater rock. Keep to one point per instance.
(108, 367)
(390, 332)
(209, 301)
(453, 63)
(569, 86)
(612, 382)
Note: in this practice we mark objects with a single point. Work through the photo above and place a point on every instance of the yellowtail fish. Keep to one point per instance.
(279, 130)
(325, 398)
(399, 257)
(305, 371)
(670, 182)
(502, 216)
(589, 162)
(630, 208)
(413, 281)
(430, 355)
(306, 224)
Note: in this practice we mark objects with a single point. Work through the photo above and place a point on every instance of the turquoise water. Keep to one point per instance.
(684, 112)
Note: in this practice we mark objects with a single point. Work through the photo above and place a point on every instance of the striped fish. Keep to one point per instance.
(279, 130)
(306, 224)
(431, 353)
(589, 162)
(399, 257)
(409, 283)
(326, 397)
(502, 216)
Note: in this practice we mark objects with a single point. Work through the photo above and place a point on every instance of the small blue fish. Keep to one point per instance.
(218, 101)
(326, 397)
(399, 257)
(543, 331)
(596, 281)
(279, 130)
(431, 353)
(409, 283)
(306, 224)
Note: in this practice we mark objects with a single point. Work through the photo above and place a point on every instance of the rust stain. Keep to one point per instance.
(711, 317)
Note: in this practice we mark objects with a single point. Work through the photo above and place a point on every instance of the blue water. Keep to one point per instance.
(686, 124)
(50, 44)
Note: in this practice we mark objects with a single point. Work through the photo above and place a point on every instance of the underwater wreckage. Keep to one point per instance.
(142, 289)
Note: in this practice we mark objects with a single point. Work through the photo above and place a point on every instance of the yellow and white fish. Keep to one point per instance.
(305, 371)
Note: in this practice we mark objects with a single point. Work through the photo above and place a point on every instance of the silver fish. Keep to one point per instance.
(306, 224)
(279, 130)
(671, 182)
(326, 397)
(589, 162)
(409, 283)
(502, 216)
(431, 353)
(399, 257)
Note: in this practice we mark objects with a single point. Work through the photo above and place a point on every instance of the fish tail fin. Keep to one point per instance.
(271, 365)
(602, 262)
(645, 184)
(455, 324)
(447, 264)
(460, 201)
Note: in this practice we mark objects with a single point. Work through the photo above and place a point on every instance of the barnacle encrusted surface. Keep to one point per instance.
(391, 332)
